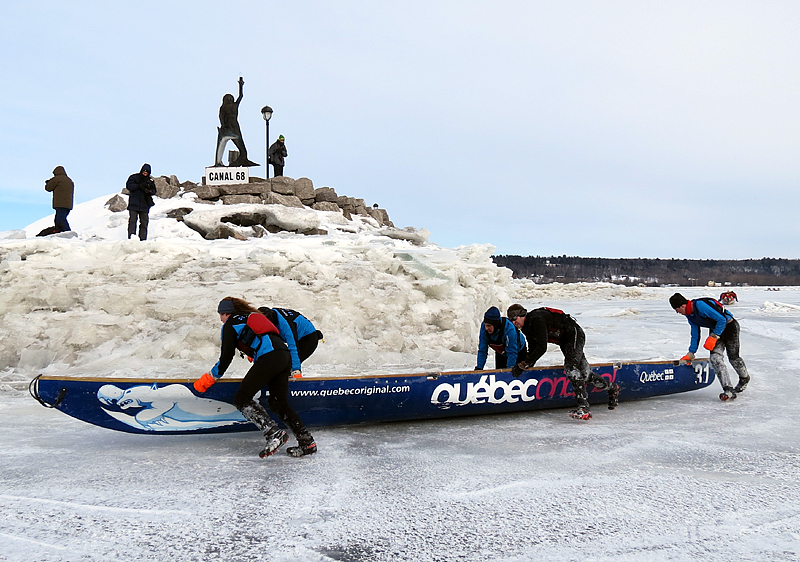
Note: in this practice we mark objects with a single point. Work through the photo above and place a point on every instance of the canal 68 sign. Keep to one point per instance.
(225, 176)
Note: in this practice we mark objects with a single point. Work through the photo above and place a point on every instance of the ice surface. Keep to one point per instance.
(682, 477)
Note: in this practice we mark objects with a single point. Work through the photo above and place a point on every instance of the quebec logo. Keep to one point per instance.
(488, 390)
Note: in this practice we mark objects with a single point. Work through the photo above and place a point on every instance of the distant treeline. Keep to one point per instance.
(569, 269)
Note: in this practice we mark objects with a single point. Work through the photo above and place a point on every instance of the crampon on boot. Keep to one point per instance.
(305, 445)
(275, 441)
(613, 396)
(302, 450)
(742, 385)
(581, 414)
(728, 395)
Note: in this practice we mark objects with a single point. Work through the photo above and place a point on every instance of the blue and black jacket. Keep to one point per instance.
(506, 339)
(293, 327)
(231, 334)
(706, 313)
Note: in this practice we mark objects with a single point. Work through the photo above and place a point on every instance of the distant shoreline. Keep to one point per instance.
(654, 272)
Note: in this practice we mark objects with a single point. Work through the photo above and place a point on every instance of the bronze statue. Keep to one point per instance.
(229, 130)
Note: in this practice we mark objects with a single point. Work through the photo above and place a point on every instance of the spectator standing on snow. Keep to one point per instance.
(63, 190)
(141, 188)
(276, 154)
(271, 367)
(502, 336)
(723, 336)
(300, 334)
(551, 325)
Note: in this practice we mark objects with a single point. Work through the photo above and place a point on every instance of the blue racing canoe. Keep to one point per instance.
(171, 406)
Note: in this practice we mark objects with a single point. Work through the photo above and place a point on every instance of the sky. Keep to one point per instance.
(606, 129)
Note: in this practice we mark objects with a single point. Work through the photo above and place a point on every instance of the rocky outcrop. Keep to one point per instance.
(283, 190)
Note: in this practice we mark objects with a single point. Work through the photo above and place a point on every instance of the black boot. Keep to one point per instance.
(276, 437)
(305, 445)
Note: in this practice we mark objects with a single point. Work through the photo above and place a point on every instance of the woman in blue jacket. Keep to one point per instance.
(271, 367)
(723, 336)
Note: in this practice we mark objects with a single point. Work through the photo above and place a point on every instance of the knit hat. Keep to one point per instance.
(281, 137)
(677, 300)
(226, 307)
(492, 317)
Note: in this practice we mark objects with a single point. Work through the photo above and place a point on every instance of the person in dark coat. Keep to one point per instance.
(723, 336)
(276, 154)
(63, 190)
(141, 188)
(551, 325)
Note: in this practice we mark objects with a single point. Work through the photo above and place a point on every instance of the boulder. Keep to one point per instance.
(236, 199)
(165, 188)
(325, 195)
(326, 206)
(117, 204)
(283, 185)
(285, 200)
(179, 213)
(207, 192)
(240, 189)
(224, 231)
(304, 190)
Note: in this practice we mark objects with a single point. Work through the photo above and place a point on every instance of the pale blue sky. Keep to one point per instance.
(605, 128)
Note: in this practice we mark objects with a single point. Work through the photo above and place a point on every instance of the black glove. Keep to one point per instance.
(478, 368)
(518, 369)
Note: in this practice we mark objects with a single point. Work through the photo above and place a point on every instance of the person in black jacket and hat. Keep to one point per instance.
(551, 325)
(141, 188)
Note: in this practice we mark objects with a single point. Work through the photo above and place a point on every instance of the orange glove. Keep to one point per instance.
(686, 359)
(711, 343)
(204, 383)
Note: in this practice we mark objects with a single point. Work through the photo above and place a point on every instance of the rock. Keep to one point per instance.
(164, 187)
(246, 218)
(207, 192)
(116, 204)
(325, 195)
(240, 189)
(283, 185)
(179, 213)
(235, 199)
(304, 190)
(224, 231)
(285, 200)
(326, 206)
(173, 181)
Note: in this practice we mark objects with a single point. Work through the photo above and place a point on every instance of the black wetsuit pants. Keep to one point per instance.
(577, 367)
(271, 370)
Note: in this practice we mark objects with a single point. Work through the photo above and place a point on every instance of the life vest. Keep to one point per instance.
(498, 334)
(249, 338)
(554, 333)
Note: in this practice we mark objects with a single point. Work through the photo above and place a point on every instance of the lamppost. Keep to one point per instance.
(266, 113)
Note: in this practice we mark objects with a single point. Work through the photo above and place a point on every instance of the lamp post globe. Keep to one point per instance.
(266, 113)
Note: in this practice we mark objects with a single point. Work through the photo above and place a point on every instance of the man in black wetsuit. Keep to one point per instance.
(551, 325)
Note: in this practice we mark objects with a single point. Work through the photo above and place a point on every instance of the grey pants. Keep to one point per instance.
(728, 341)
(577, 367)
(143, 218)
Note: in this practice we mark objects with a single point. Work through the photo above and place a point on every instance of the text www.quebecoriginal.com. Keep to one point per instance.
(366, 391)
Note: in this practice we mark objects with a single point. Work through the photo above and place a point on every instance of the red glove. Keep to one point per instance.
(711, 343)
(686, 359)
(204, 383)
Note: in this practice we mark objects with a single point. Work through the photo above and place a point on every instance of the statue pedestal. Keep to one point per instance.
(221, 175)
